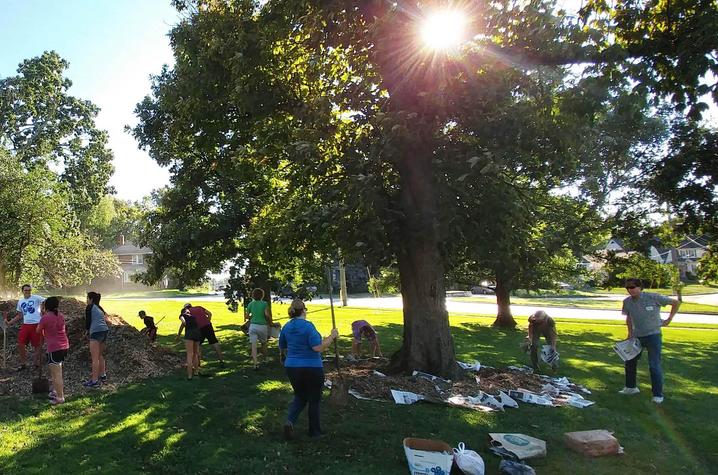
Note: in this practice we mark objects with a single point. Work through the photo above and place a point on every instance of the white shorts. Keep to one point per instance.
(258, 332)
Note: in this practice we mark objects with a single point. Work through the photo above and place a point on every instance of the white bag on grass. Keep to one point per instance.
(468, 461)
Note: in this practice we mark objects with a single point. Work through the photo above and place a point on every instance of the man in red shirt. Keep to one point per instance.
(204, 323)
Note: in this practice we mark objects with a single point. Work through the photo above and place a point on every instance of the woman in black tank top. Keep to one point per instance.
(192, 337)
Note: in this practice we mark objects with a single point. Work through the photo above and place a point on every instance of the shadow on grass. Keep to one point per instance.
(231, 421)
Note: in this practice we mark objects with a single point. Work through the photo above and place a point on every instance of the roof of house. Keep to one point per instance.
(130, 249)
(694, 242)
(618, 242)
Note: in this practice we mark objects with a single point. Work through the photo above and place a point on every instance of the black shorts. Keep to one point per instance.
(56, 357)
(208, 334)
(192, 334)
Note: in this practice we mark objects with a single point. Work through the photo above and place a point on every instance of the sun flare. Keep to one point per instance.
(443, 30)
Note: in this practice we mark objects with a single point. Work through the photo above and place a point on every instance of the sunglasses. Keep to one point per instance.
(629, 287)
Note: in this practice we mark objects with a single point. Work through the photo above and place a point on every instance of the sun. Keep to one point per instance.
(444, 30)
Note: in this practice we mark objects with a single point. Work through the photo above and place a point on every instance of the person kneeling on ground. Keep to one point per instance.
(362, 328)
(150, 327)
(204, 322)
(643, 319)
(52, 326)
(192, 338)
(540, 324)
(303, 346)
(260, 319)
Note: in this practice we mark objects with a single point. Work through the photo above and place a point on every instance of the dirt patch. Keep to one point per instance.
(129, 356)
(361, 376)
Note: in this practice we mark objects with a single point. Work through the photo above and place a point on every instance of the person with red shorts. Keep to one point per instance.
(29, 308)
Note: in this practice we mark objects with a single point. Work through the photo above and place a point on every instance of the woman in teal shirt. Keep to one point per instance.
(260, 319)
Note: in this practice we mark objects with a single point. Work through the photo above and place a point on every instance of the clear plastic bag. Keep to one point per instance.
(468, 461)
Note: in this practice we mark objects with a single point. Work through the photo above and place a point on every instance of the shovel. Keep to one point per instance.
(339, 395)
(40, 384)
(3, 326)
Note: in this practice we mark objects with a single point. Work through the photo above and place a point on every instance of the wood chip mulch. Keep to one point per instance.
(129, 356)
(361, 377)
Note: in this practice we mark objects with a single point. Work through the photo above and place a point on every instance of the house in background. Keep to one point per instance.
(597, 261)
(132, 261)
(685, 256)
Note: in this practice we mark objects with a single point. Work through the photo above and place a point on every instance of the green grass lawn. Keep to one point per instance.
(690, 289)
(594, 303)
(231, 422)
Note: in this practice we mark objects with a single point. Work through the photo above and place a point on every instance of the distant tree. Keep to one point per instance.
(40, 239)
(42, 125)
(708, 265)
(652, 273)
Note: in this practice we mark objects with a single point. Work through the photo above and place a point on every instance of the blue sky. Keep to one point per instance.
(113, 46)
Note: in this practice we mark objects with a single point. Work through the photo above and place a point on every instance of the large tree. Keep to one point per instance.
(41, 124)
(339, 103)
(54, 170)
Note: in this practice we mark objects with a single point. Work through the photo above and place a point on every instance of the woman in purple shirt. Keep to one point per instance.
(302, 344)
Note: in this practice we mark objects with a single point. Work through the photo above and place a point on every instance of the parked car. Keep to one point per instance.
(287, 293)
(481, 290)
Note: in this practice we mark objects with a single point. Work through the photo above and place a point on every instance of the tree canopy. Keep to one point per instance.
(293, 129)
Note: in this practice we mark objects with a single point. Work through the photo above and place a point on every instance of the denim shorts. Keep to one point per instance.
(99, 336)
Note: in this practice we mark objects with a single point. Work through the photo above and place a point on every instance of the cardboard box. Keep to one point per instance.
(428, 456)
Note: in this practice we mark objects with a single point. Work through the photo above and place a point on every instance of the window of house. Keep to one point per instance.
(687, 252)
(138, 259)
(126, 277)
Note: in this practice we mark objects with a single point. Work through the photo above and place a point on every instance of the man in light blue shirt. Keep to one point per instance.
(643, 319)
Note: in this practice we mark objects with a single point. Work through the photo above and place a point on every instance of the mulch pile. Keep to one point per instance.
(129, 356)
(361, 377)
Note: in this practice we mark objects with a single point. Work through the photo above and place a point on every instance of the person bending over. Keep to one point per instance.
(362, 329)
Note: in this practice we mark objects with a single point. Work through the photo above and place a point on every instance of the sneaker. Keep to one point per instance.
(57, 401)
(52, 394)
(657, 399)
(629, 391)
(103, 378)
(288, 431)
(92, 384)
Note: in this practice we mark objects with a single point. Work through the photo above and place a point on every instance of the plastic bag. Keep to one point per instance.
(468, 461)
(510, 467)
(549, 356)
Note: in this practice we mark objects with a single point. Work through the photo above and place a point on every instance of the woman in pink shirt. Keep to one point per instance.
(52, 325)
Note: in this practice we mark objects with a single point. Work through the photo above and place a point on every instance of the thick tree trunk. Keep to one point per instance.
(504, 319)
(428, 345)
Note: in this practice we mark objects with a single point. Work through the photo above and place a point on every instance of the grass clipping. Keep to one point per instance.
(129, 356)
